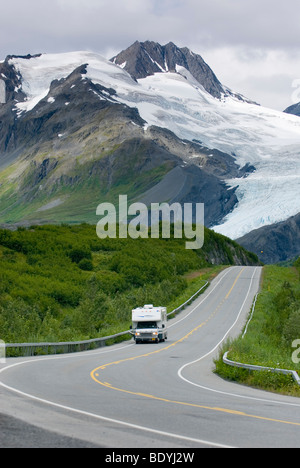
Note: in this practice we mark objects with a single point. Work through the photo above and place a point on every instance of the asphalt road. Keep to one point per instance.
(150, 395)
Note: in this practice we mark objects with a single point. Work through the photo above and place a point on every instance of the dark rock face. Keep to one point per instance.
(13, 93)
(294, 109)
(49, 119)
(143, 59)
(190, 184)
(146, 58)
(95, 144)
(12, 82)
(276, 243)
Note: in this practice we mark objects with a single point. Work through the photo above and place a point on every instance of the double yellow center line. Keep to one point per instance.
(95, 374)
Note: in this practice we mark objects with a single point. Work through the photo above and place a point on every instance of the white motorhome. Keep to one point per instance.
(149, 323)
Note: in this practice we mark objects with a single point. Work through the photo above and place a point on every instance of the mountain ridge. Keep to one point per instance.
(279, 242)
(293, 109)
(77, 128)
(67, 111)
(144, 59)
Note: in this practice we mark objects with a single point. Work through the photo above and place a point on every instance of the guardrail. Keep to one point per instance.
(254, 367)
(191, 299)
(261, 368)
(33, 349)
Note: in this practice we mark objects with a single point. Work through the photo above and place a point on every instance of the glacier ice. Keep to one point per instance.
(266, 138)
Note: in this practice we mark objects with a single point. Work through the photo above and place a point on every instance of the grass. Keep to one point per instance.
(79, 200)
(195, 281)
(63, 283)
(268, 341)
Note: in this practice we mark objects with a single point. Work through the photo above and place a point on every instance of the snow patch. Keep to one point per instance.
(267, 139)
(38, 72)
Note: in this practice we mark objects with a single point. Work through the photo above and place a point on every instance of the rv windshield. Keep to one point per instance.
(146, 325)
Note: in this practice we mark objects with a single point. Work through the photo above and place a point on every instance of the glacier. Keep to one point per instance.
(267, 139)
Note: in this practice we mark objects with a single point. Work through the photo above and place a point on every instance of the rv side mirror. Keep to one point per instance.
(130, 328)
(163, 326)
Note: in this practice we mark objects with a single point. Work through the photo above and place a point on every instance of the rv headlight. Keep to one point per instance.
(154, 333)
(137, 334)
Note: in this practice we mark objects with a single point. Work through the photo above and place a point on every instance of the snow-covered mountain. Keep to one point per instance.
(143, 59)
(172, 89)
(267, 139)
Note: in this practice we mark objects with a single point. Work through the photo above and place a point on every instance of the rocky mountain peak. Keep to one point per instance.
(293, 109)
(12, 80)
(143, 59)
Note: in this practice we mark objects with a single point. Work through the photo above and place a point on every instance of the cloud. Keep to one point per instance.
(255, 23)
(240, 39)
(207, 23)
(267, 76)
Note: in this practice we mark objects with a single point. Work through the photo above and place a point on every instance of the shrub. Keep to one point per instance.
(86, 264)
(79, 253)
(65, 294)
(291, 330)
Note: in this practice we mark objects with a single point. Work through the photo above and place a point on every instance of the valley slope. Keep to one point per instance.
(154, 123)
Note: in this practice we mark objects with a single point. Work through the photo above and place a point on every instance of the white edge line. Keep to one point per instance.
(115, 421)
(103, 418)
(202, 299)
(179, 373)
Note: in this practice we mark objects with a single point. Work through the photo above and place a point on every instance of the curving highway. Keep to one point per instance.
(150, 395)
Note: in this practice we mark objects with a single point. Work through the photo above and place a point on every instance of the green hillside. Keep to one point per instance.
(62, 283)
(273, 335)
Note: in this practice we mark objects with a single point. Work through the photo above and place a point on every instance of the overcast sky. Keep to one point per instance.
(251, 45)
